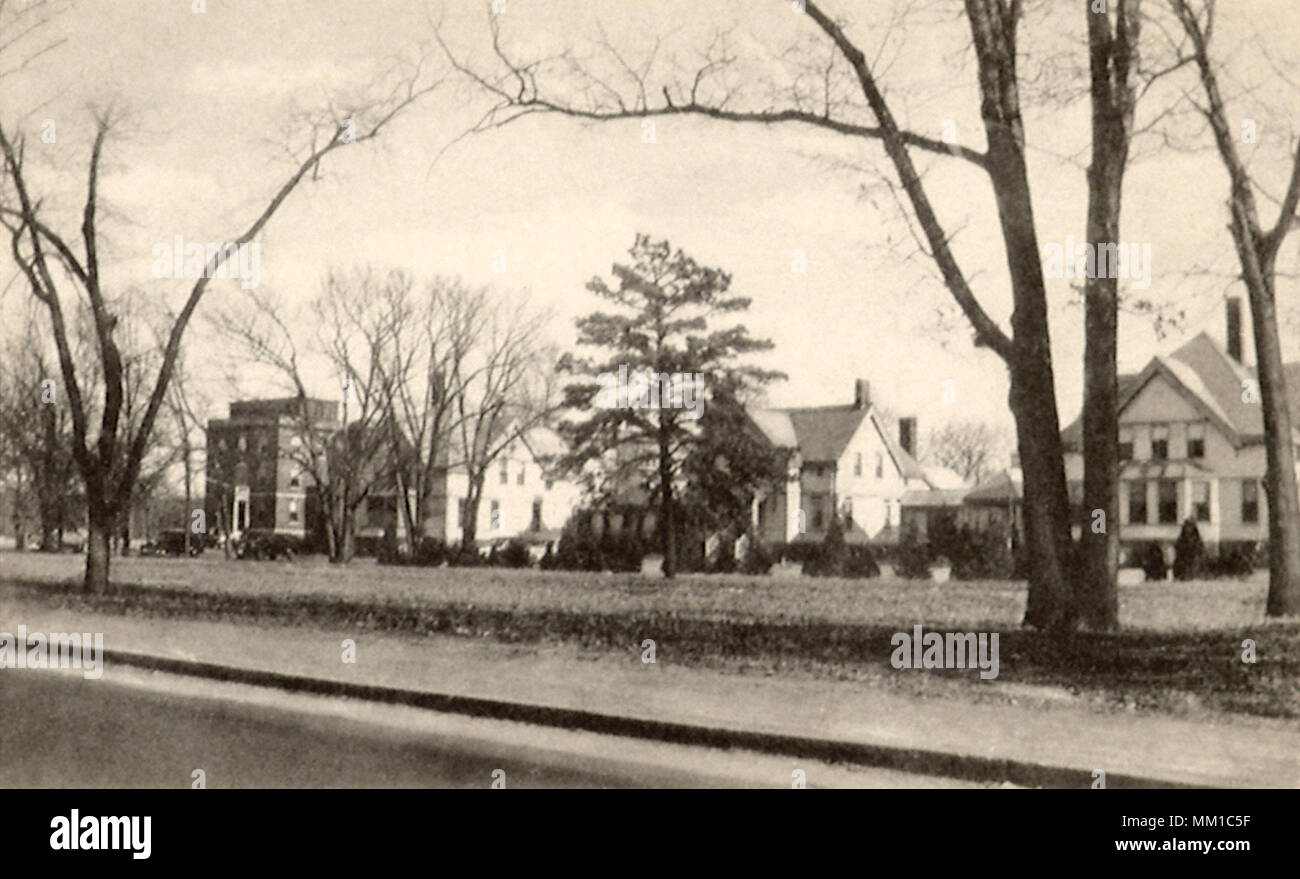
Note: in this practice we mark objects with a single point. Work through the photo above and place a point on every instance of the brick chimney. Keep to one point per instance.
(1233, 306)
(861, 393)
(907, 434)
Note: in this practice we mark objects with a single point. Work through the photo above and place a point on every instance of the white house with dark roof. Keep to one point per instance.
(1191, 434)
(843, 460)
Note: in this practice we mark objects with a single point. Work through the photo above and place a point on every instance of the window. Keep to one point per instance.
(505, 471)
(857, 464)
(819, 516)
(1249, 500)
(293, 511)
(880, 465)
(550, 484)
(1137, 503)
(295, 481)
(536, 524)
(496, 515)
(846, 510)
(1196, 440)
(523, 469)
(1126, 444)
(1160, 442)
(1201, 501)
(1168, 508)
(460, 512)
(889, 514)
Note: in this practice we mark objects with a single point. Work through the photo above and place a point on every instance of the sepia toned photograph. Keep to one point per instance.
(510, 394)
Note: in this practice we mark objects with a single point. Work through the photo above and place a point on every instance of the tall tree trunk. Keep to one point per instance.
(1280, 478)
(667, 510)
(1046, 526)
(469, 527)
(98, 551)
(1113, 58)
(189, 502)
(1046, 505)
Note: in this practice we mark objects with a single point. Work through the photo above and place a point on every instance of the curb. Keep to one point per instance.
(913, 760)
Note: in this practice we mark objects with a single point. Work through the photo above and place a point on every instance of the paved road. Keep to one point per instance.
(145, 729)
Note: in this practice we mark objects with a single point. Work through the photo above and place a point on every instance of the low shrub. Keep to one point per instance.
(514, 554)
(835, 558)
(723, 558)
(1189, 553)
(578, 549)
(980, 554)
(463, 556)
(913, 557)
(1153, 562)
(622, 552)
(1235, 559)
(828, 560)
(758, 560)
(430, 552)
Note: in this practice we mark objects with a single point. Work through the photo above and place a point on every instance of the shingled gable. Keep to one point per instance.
(1211, 380)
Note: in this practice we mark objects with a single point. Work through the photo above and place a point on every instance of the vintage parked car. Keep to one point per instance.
(171, 542)
(264, 546)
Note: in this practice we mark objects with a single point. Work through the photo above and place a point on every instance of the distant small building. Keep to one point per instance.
(923, 508)
(997, 504)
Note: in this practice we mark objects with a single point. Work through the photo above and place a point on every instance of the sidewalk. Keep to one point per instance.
(1244, 752)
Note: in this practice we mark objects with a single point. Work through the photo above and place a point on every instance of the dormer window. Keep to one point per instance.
(1126, 444)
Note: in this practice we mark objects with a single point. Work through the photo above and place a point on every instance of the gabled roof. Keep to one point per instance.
(1001, 488)
(776, 425)
(823, 432)
(1211, 380)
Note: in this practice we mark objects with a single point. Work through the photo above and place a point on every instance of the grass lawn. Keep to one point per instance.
(1180, 650)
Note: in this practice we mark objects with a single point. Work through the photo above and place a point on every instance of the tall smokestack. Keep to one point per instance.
(861, 394)
(1234, 327)
(907, 435)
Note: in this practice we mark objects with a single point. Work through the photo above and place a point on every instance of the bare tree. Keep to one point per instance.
(58, 267)
(505, 389)
(1257, 250)
(190, 437)
(968, 447)
(35, 427)
(423, 382)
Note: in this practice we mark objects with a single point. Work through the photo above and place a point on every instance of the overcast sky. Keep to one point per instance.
(205, 97)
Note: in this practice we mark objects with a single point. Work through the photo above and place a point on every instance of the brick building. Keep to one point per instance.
(254, 480)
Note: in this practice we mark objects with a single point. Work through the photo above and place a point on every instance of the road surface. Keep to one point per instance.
(139, 729)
